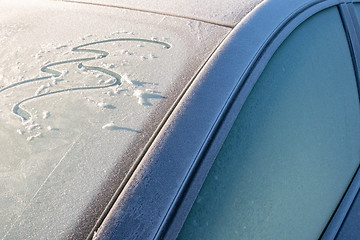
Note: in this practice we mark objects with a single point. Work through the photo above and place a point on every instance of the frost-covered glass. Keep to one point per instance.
(293, 148)
(228, 12)
(82, 89)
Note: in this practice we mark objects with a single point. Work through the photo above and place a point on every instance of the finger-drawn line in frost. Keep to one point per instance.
(49, 68)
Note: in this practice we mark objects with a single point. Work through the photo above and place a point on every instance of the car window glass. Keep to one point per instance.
(293, 148)
(357, 10)
(82, 89)
(349, 228)
(209, 10)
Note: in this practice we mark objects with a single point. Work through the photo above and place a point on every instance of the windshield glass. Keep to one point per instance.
(82, 90)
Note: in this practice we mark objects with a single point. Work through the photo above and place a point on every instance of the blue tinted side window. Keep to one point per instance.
(293, 148)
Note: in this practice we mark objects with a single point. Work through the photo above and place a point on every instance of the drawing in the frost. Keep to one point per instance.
(83, 64)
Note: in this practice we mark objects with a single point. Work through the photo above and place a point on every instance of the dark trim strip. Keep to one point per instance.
(352, 30)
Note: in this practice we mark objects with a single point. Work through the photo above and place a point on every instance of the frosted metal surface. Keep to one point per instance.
(228, 12)
(294, 147)
(82, 88)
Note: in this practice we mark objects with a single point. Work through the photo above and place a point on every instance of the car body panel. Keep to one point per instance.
(151, 198)
(155, 192)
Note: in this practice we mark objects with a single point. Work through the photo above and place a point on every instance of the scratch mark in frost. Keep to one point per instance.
(41, 186)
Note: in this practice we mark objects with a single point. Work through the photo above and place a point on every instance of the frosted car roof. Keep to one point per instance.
(228, 12)
(82, 89)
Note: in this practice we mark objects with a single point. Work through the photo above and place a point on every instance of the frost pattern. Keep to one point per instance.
(116, 78)
(56, 77)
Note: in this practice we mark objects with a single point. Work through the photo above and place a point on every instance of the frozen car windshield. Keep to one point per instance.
(82, 90)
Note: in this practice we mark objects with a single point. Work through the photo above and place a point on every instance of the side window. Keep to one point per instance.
(293, 148)
(350, 227)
